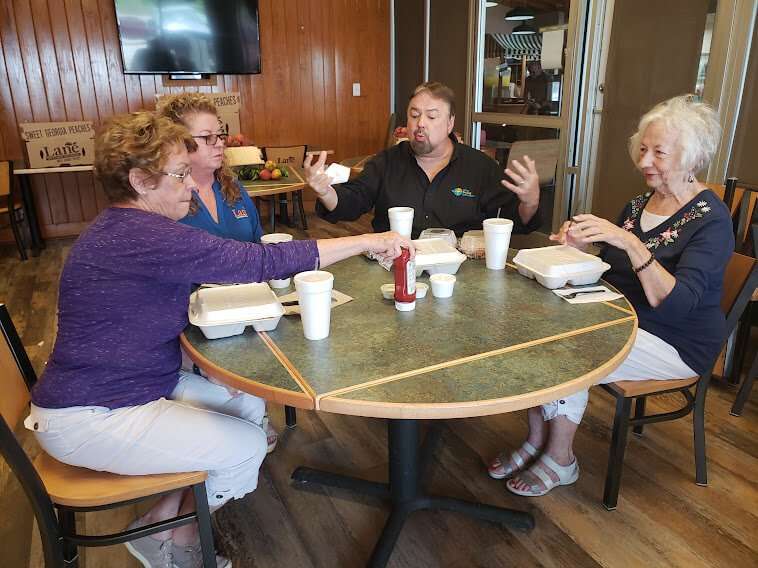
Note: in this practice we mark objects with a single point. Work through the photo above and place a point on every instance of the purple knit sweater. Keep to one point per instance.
(124, 294)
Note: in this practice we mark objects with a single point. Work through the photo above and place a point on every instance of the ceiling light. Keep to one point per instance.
(523, 29)
(491, 4)
(519, 14)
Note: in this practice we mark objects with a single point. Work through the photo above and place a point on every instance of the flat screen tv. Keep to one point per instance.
(185, 37)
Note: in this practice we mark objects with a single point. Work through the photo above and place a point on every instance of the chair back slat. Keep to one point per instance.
(5, 178)
(740, 279)
(13, 368)
(287, 155)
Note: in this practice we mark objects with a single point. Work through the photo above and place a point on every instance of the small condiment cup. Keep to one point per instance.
(442, 285)
(388, 291)
(421, 289)
(270, 239)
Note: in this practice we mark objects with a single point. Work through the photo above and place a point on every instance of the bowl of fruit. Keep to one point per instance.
(270, 171)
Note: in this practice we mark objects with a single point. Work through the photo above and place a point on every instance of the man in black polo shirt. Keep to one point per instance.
(448, 184)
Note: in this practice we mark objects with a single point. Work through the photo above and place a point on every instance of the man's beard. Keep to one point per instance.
(421, 148)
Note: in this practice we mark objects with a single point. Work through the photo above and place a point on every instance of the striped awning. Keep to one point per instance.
(516, 46)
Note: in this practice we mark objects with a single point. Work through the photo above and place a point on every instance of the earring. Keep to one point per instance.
(690, 178)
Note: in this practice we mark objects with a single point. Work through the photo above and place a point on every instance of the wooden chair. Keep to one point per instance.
(11, 205)
(747, 385)
(290, 156)
(740, 279)
(51, 485)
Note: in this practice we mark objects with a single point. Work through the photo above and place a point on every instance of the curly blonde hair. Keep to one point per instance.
(140, 140)
(179, 108)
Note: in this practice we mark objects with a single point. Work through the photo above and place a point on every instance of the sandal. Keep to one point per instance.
(497, 469)
(271, 436)
(566, 475)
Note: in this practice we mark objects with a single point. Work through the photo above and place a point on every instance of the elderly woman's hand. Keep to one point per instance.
(527, 182)
(563, 237)
(315, 176)
(387, 245)
(588, 228)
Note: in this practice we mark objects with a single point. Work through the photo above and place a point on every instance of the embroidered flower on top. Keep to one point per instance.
(671, 234)
(629, 224)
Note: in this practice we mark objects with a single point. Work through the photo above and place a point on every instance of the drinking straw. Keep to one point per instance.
(498, 212)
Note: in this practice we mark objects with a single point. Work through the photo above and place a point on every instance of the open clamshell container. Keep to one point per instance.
(437, 256)
(223, 311)
(557, 266)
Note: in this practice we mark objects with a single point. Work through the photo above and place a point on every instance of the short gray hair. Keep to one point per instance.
(696, 124)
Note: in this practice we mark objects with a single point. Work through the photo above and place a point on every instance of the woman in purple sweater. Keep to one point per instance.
(112, 397)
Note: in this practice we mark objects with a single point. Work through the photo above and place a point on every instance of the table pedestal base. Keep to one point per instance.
(406, 469)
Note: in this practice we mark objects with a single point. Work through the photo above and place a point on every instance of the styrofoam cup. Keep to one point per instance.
(401, 220)
(442, 285)
(271, 239)
(314, 292)
(497, 237)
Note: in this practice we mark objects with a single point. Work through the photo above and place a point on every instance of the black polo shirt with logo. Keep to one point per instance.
(460, 197)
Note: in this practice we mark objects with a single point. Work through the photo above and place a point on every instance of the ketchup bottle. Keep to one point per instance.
(405, 282)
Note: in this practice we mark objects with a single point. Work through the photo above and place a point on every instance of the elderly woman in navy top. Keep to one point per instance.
(219, 204)
(113, 397)
(668, 252)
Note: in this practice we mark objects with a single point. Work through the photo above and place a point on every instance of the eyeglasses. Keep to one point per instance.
(180, 177)
(210, 139)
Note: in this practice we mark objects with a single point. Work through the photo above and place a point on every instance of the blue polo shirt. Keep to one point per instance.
(239, 221)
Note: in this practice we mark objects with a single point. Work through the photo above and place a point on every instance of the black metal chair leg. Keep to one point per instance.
(741, 341)
(17, 233)
(639, 412)
(67, 525)
(698, 425)
(204, 525)
(616, 455)
(745, 388)
(290, 416)
(272, 207)
(299, 196)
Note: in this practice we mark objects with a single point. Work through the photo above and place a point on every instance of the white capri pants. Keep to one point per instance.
(649, 358)
(203, 427)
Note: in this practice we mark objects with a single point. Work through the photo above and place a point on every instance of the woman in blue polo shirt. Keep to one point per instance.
(220, 205)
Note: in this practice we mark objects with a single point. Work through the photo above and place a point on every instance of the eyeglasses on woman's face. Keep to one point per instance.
(178, 176)
(211, 139)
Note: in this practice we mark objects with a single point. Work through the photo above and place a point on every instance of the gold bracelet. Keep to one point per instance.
(648, 262)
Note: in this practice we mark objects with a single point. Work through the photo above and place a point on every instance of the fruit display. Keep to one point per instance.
(236, 140)
(270, 171)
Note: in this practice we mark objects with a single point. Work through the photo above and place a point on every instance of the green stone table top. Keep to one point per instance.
(502, 342)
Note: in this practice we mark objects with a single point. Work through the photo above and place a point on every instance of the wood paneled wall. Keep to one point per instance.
(60, 60)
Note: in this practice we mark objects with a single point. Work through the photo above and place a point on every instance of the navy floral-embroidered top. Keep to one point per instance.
(694, 245)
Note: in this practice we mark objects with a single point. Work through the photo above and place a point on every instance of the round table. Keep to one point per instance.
(501, 343)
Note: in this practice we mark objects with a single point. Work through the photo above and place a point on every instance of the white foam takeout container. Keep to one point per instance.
(437, 256)
(223, 311)
(557, 266)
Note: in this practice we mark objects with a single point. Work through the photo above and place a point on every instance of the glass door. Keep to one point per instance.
(523, 78)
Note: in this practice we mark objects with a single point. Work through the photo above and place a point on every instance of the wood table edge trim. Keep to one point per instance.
(270, 393)
(331, 403)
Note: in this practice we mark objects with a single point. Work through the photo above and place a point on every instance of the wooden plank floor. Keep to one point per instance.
(663, 518)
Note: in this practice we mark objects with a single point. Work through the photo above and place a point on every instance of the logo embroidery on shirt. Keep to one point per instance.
(239, 213)
(461, 192)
